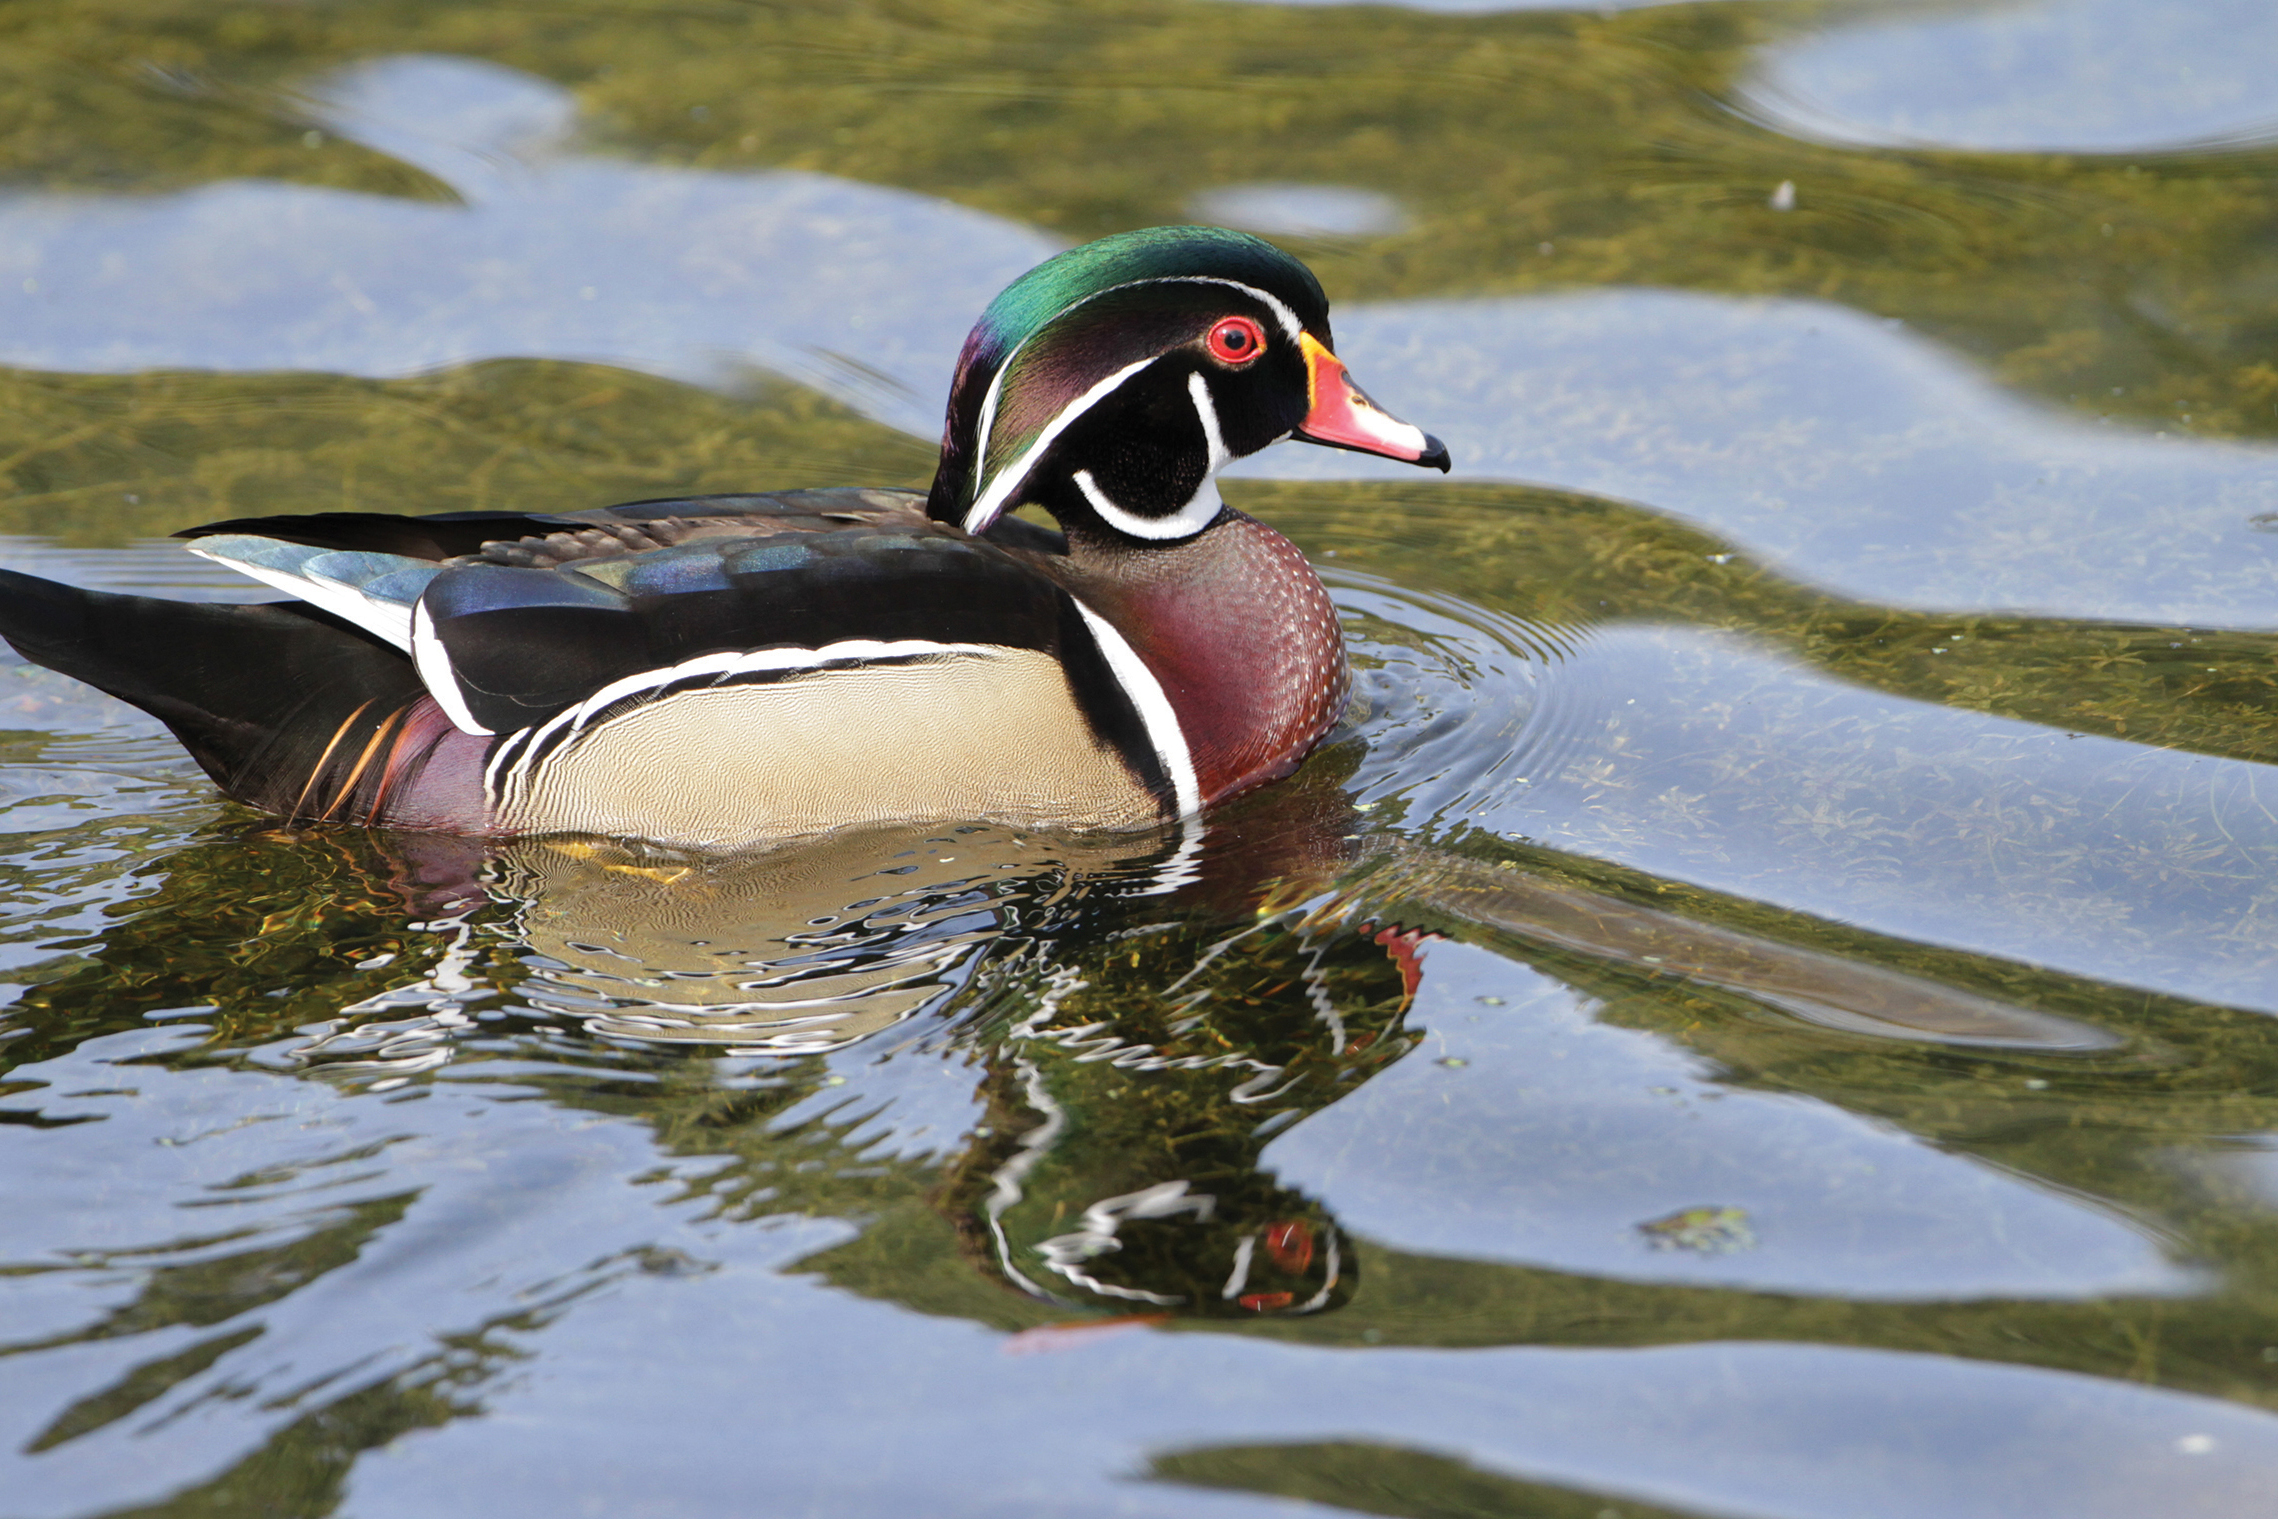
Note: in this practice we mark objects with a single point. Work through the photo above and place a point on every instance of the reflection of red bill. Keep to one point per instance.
(1342, 416)
(1402, 945)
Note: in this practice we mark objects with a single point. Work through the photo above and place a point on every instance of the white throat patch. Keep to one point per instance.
(1201, 509)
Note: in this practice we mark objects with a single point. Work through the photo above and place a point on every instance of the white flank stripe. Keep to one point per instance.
(494, 768)
(1155, 711)
(387, 619)
(434, 665)
(732, 662)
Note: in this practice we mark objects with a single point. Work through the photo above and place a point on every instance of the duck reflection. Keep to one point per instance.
(1144, 1015)
(795, 952)
(1119, 1164)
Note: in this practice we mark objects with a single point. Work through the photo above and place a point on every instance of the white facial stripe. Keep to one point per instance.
(1155, 711)
(1273, 303)
(433, 663)
(992, 505)
(986, 509)
(1201, 509)
(1206, 410)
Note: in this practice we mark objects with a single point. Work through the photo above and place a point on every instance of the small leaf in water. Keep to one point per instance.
(1704, 1231)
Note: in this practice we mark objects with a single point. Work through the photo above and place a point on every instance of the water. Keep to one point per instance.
(1764, 1009)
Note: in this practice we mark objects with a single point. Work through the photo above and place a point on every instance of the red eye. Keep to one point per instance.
(1237, 340)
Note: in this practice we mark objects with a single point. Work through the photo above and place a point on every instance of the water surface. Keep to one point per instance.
(1764, 1008)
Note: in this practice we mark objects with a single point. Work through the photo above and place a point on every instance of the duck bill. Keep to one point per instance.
(1341, 415)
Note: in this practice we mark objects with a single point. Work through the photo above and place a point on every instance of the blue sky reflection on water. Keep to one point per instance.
(2034, 76)
(1694, 755)
(1840, 449)
(553, 254)
(525, 1217)
(1556, 1133)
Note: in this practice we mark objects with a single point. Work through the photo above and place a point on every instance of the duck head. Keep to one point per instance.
(1110, 384)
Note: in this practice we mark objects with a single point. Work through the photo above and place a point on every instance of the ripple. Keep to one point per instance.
(1451, 697)
(1844, 450)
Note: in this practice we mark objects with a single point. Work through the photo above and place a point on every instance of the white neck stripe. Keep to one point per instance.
(986, 508)
(1156, 714)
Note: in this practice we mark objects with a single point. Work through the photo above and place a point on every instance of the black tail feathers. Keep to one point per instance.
(255, 693)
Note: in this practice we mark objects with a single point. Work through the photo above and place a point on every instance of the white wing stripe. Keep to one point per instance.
(388, 619)
(433, 662)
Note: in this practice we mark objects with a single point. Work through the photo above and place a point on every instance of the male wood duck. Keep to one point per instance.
(720, 671)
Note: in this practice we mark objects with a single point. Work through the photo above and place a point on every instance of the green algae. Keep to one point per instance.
(2136, 286)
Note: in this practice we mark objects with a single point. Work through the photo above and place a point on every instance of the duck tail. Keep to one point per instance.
(275, 701)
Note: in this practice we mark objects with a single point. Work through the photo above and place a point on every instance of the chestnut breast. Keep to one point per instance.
(1240, 633)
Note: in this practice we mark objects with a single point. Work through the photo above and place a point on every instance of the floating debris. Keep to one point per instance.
(1704, 1231)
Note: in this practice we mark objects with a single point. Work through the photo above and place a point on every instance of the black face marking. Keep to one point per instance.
(1144, 446)
(1150, 448)
(1116, 365)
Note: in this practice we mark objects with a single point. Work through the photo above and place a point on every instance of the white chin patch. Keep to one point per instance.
(1200, 511)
